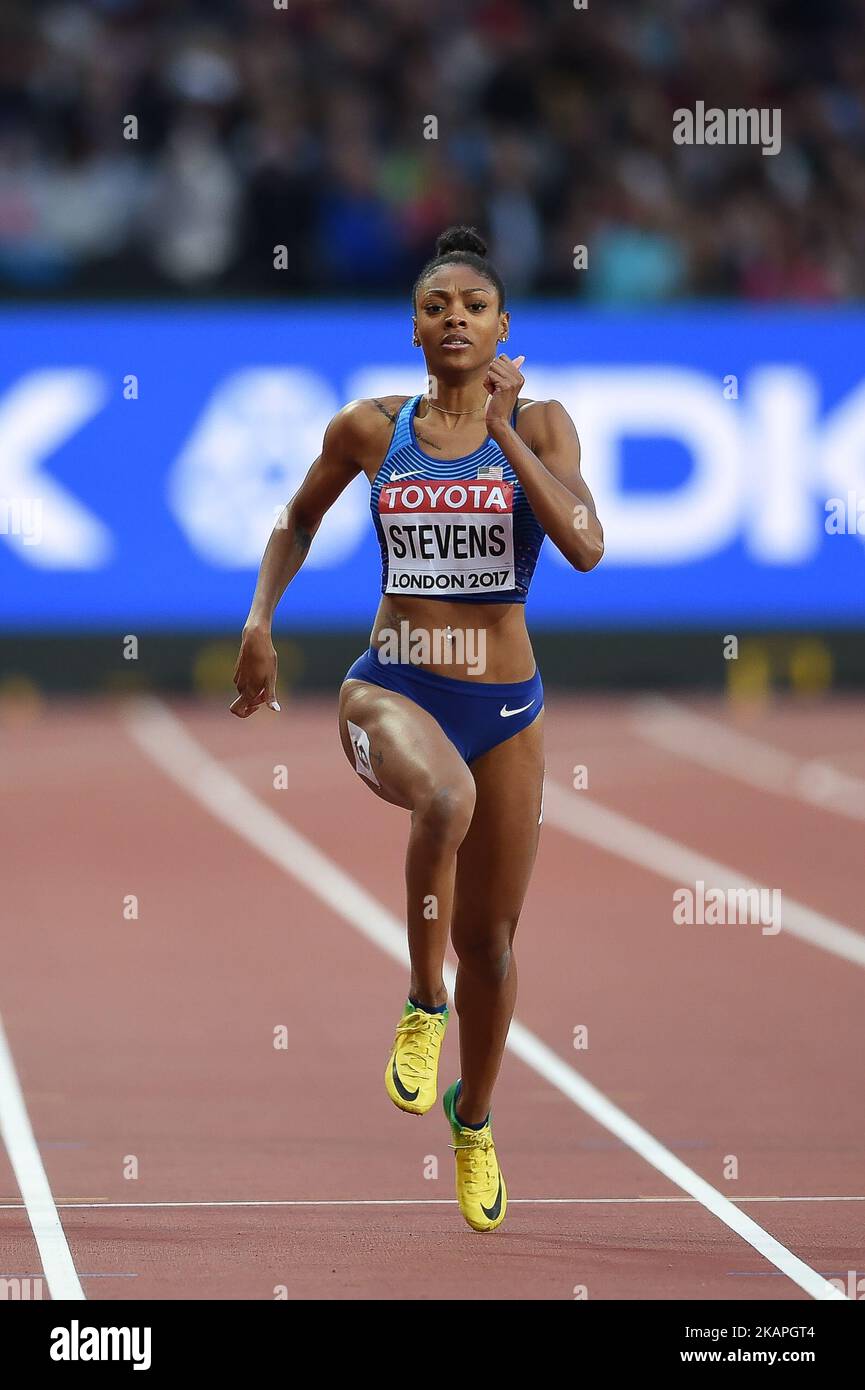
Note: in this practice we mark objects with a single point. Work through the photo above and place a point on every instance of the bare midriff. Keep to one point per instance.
(481, 642)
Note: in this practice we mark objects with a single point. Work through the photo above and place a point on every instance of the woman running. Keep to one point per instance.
(443, 714)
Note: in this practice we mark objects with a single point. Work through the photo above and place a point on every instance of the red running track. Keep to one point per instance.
(145, 1048)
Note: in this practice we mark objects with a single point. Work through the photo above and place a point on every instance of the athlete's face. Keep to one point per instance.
(458, 322)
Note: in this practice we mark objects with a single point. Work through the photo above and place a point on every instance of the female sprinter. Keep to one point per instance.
(465, 482)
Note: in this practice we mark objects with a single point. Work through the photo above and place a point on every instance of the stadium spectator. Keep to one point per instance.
(351, 134)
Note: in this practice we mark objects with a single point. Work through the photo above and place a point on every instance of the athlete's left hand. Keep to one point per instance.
(504, 381)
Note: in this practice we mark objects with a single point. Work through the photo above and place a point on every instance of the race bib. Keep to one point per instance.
(448, 537)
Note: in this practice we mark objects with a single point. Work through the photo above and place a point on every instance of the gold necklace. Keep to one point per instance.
(455, 412)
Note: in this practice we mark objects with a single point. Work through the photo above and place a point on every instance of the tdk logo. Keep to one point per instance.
(761, 466)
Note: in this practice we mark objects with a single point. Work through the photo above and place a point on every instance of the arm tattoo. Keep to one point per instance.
(302, 538)
(384, 410)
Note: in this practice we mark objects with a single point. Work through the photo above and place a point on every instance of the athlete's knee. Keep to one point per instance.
(486, 955)
(444, 812)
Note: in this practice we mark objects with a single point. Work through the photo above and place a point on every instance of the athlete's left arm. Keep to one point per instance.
(551, 479)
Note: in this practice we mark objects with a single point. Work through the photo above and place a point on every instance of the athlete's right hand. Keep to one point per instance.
(255, 672)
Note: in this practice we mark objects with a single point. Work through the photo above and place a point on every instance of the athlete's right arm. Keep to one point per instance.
(340, 460)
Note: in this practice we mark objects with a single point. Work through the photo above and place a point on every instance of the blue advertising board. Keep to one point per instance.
(145, 453)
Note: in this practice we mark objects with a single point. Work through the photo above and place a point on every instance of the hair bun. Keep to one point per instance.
(461, 239)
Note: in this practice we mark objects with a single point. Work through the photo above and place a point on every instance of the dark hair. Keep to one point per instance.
(461, 246)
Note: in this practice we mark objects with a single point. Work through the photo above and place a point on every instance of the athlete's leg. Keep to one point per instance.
(415, 766)
(494, 865)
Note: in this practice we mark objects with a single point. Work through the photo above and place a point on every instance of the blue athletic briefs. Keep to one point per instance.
(474, 715)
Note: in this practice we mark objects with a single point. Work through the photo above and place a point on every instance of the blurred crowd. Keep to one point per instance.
(306, 124)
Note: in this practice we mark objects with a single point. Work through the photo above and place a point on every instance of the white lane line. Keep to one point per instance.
(413, 1202)
(33, 1183)
(168, 743)
(573, 812)
(676, 729)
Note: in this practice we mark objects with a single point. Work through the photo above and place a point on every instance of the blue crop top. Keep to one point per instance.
(459, 529)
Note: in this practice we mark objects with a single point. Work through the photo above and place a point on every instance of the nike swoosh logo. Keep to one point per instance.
(401, 1090)
(395, 477)
(506, 713)
(495, 1210)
